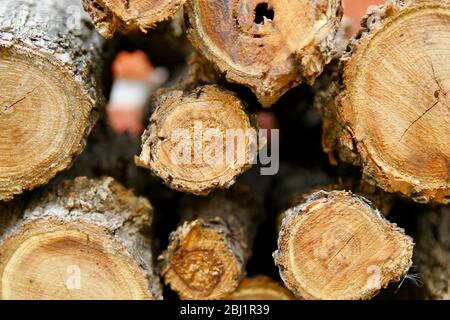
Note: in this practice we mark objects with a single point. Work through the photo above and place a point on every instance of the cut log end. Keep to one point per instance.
(85, 240)
(394, 102)
(207, 254)
(50, 260)
(44, 118)
(110, 16)
(269, 46)
(188, 144)
(260, 288)
(336, 246)
(200, 264)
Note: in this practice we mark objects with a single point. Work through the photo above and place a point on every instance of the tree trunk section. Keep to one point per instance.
(50, 93)
(432, 254)
(268, 46)
(86, 239)
(207, 254)
(335, 245)
(199, 141)
(260, 288)
(388, 109)
(109, 16)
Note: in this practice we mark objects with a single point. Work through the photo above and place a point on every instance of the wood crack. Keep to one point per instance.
(8, 107)
(340, 250)
(418, 119)
(436, 95)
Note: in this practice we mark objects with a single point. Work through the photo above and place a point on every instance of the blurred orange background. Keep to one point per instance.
(355, 10)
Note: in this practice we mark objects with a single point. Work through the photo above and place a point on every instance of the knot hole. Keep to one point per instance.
(262, 11)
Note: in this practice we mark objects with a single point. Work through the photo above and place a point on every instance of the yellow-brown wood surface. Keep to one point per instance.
(389, 111)
(337, 246)
(86, 239)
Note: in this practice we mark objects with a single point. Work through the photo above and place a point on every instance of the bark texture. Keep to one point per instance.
(50, 92)
(188, 145)
(388, 107)
(432, 254)
(84, 239)
(112, 154)
(109, 16)
(207, 254)
(335, 245)
(269, 46)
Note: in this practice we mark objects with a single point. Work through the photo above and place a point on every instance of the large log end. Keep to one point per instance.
(389, 111)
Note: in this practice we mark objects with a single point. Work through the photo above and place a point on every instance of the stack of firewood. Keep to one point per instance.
(86, 213)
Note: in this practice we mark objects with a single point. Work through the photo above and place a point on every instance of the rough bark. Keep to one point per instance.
(432, 252)
(260, 288)
(388, 107)
(207, 254)
(269, 46)
(112, 154)
(84, 239)
(189, 142)
(337, 246)
(199, 72)
(51, 90)
(111, 15)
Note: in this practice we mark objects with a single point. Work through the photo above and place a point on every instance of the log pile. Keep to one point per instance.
(187, 210)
